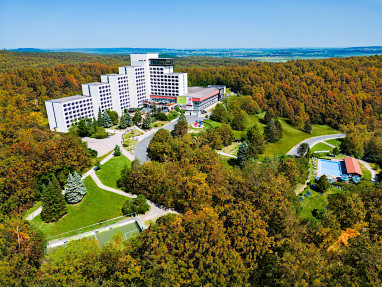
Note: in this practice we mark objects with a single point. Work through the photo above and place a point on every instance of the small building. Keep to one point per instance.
(352, 166)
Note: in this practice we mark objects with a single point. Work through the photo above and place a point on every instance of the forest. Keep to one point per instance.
(238, 225)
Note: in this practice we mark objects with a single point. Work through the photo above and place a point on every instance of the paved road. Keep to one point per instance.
(315, 140)
(373, 173)
(140, 151)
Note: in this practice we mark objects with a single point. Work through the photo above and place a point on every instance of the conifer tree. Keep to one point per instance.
(107, 121)
(242, 154)
(100, 118)
(137, 118)
(75, 188)
(122, 122)
(117, 151)
(53, 203)
(147, 122)
(128, 119)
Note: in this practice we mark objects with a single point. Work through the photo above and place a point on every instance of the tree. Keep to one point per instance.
(160, 145)
(220, 114)
(272, 131)
(100, 118)
(256, 142)
(117, 151)
(75, 188)
(53, 203)
(122, 122)
(146, 125)
(336, 151)
(137, 118)
(114, 116)
(323, 184)
(239, 120)
(180, 128)
(82, 128)
(100, 133)
(128, 119)
(303, 149)
(138, 205)
(107, 121)
(269, 115)
(242, 154)
(226, 134)
(154, 109)
(307, 127)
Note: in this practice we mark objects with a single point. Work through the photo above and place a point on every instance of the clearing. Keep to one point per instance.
(110, 172)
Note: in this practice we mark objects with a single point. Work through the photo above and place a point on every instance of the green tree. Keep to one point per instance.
(53, 203)
(269, 115)
(307, 127)
(323, 184)
(146, 125)
(138, 205)
(180, 128)
(75, 188)
(82, 128)
(242, 154)
(100, 133)
(128, 119)
(122, 122)
(303, 149)
(107, 121)
(220, 114)
(239, 120)
(272, 131)
(117, 151)
(100, 118)
(256, 141)
(226, 134)
(336, 151)
(114, 116)
(160, 145)
(137, 118)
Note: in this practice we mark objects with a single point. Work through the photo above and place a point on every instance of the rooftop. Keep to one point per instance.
(69, 99)
(352, 166)
(200, 92)
(97, 84)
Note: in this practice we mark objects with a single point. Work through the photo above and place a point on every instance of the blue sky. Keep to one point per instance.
(190, 23)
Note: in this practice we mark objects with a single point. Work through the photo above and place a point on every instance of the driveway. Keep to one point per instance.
(140, 151)
(312, 141)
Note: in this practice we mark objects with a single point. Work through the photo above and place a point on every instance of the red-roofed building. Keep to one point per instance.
(352, 166)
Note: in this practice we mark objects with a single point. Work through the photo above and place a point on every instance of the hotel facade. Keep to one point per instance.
(148, 79)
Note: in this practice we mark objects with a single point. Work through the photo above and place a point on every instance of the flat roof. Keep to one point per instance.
(96, 84)
(200, 92)
(69, 99)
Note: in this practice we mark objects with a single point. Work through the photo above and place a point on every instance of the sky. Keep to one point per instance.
(189, 23)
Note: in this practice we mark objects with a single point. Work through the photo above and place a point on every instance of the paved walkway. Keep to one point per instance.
(314, 140)
(225, 154)
(373, 173)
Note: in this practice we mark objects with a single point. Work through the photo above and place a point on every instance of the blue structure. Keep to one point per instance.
(331, 168)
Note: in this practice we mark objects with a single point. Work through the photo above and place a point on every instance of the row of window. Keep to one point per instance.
(77, 102)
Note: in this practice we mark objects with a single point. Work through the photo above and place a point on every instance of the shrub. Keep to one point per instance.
(138, 205)
(161, 117)
(100, 133)
(93, 152)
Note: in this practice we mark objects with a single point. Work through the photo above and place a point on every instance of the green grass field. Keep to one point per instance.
(335, 142)
(127, 231)
(315, 200)
(291, 135)
(97, 205)
(133, 133)
(110, 172)
(321, 147)
(366, 174)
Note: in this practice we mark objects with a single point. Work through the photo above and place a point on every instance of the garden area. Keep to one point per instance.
(97, 205)
(110, 172)
(129, 143)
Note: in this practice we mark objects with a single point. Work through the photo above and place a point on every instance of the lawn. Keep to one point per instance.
(291, 135)
(315, 200)
(335, 142)
(159, 124)
(321, 147)
(133, 133)
(94, 160)
(232, 148)
(97, 205)
(366, 174)
(35, 207)
(129, 145)
(110, 172)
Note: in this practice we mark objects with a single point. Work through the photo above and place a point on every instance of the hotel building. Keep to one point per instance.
(148, 79)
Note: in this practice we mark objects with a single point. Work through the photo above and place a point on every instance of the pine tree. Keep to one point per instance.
(107, 121)
(147, 122)
(128, 119)
(53, 203)
(117, 151)
(273, 131)
(242, 154)
(137, 118)
(100, 118)
(122, 122)
(75, 188)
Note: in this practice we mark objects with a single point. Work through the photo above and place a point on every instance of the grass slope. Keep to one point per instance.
(366, 174)
(321, 147)
(97, 205)
(110, 172)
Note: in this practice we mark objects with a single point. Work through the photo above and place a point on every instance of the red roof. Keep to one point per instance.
(352, 166)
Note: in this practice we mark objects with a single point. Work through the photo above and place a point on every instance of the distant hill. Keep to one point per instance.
(29, 50)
